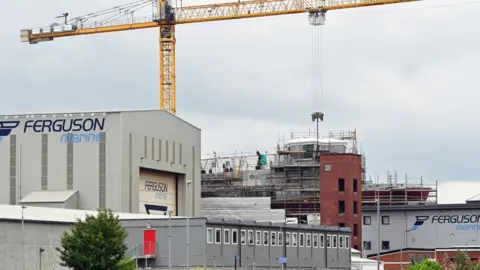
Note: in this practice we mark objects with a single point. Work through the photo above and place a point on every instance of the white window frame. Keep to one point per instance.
(301, 239)
(273, 239)
(218, 231)
(294, 237)
(250, 237)
(287, 239)
(340, 241)
(258, 238)
(322, 240)
(315, 240)
(234, 239)
(280, 239)
(226, 236)
(334, 241)
(329, 241)
(347, 242)
(266, 238)
(209, 236)
(308, 240)
(243, 237)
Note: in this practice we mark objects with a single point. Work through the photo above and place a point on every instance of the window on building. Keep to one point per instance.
(341, 225)
(315, 240)
(334, 240)
(273, 238)
(341, 184)
(302, 240)
(385, 245)
(265, 238)
(209, 235)
(280, 239)
(355, 185)
(243, 237)
(355, 207)
(258, 238)
(250, 237)
(294, 239)
(226, 236)
(367, 220)
(367, 245)
(340, 241)
(347, 242)
(322, 240)
(309, 240)
(287, 239)
(355, 229)
(341, 207)
(234, 237)
(329, 244)
(218, 236)
(328, 167)
(413, 257)
(385, 220)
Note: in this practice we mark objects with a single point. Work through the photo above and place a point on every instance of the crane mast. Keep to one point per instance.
(167, 17)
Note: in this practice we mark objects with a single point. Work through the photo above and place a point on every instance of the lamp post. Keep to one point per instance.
(188, 221)
(169, 240)
(404, 246)
(23, 238)
(377, 200)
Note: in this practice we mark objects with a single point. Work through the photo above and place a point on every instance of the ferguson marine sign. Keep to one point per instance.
(86, 125)
(462, 222)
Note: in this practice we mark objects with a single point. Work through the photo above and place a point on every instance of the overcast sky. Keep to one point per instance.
(406, 76)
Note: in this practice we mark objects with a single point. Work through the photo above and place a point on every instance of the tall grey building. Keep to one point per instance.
(129, 161)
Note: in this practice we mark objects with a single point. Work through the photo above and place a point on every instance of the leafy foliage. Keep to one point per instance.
(426, 265)
(98, 242)
(127, 264)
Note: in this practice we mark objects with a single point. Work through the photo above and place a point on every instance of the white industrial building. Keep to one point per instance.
(129, 161)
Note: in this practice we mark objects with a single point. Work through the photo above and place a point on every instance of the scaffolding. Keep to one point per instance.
(292, 177)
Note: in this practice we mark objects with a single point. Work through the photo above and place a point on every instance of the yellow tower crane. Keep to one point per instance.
(165, 17)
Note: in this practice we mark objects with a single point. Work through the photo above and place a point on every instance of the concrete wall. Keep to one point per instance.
(106, 170)
(13, 254)
(439, 229)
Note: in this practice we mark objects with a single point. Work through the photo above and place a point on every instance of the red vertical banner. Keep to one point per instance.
(149, 242)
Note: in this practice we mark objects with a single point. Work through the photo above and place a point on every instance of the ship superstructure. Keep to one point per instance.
(290, 175)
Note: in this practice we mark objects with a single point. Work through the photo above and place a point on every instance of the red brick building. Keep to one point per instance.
(341, 193)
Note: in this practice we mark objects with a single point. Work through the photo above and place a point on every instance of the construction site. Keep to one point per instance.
(290, 175)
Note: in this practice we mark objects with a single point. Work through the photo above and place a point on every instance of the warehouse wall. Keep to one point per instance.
(104, 170)
(161, 141)
(35, 236)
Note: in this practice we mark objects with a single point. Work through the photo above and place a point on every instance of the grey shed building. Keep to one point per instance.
(129, 161)
(212, 243)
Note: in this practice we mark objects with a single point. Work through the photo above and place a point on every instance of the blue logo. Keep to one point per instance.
(6, 128)
(90, 127)
(419, 222)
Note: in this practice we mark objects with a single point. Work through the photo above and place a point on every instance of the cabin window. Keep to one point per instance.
(209, 235)
(294, 239)
(309, 240)
(287, 239)
(226, 236)
(243, 236)
(280, 239)
(250, 237)
(302, 239)
(265, 238)
(258, 238)
(347, 242)
(273, 240)
(340, 242)
(234, 237)
(315, 240)
(218, 236)
(322, 240)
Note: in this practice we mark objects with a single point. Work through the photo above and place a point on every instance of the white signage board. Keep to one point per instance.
(157, 193)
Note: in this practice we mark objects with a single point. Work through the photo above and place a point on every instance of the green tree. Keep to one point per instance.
(426, 265)
(98, 242)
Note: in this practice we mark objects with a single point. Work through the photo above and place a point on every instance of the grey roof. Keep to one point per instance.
(470, 205)
(48, 196)
(251, 223)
